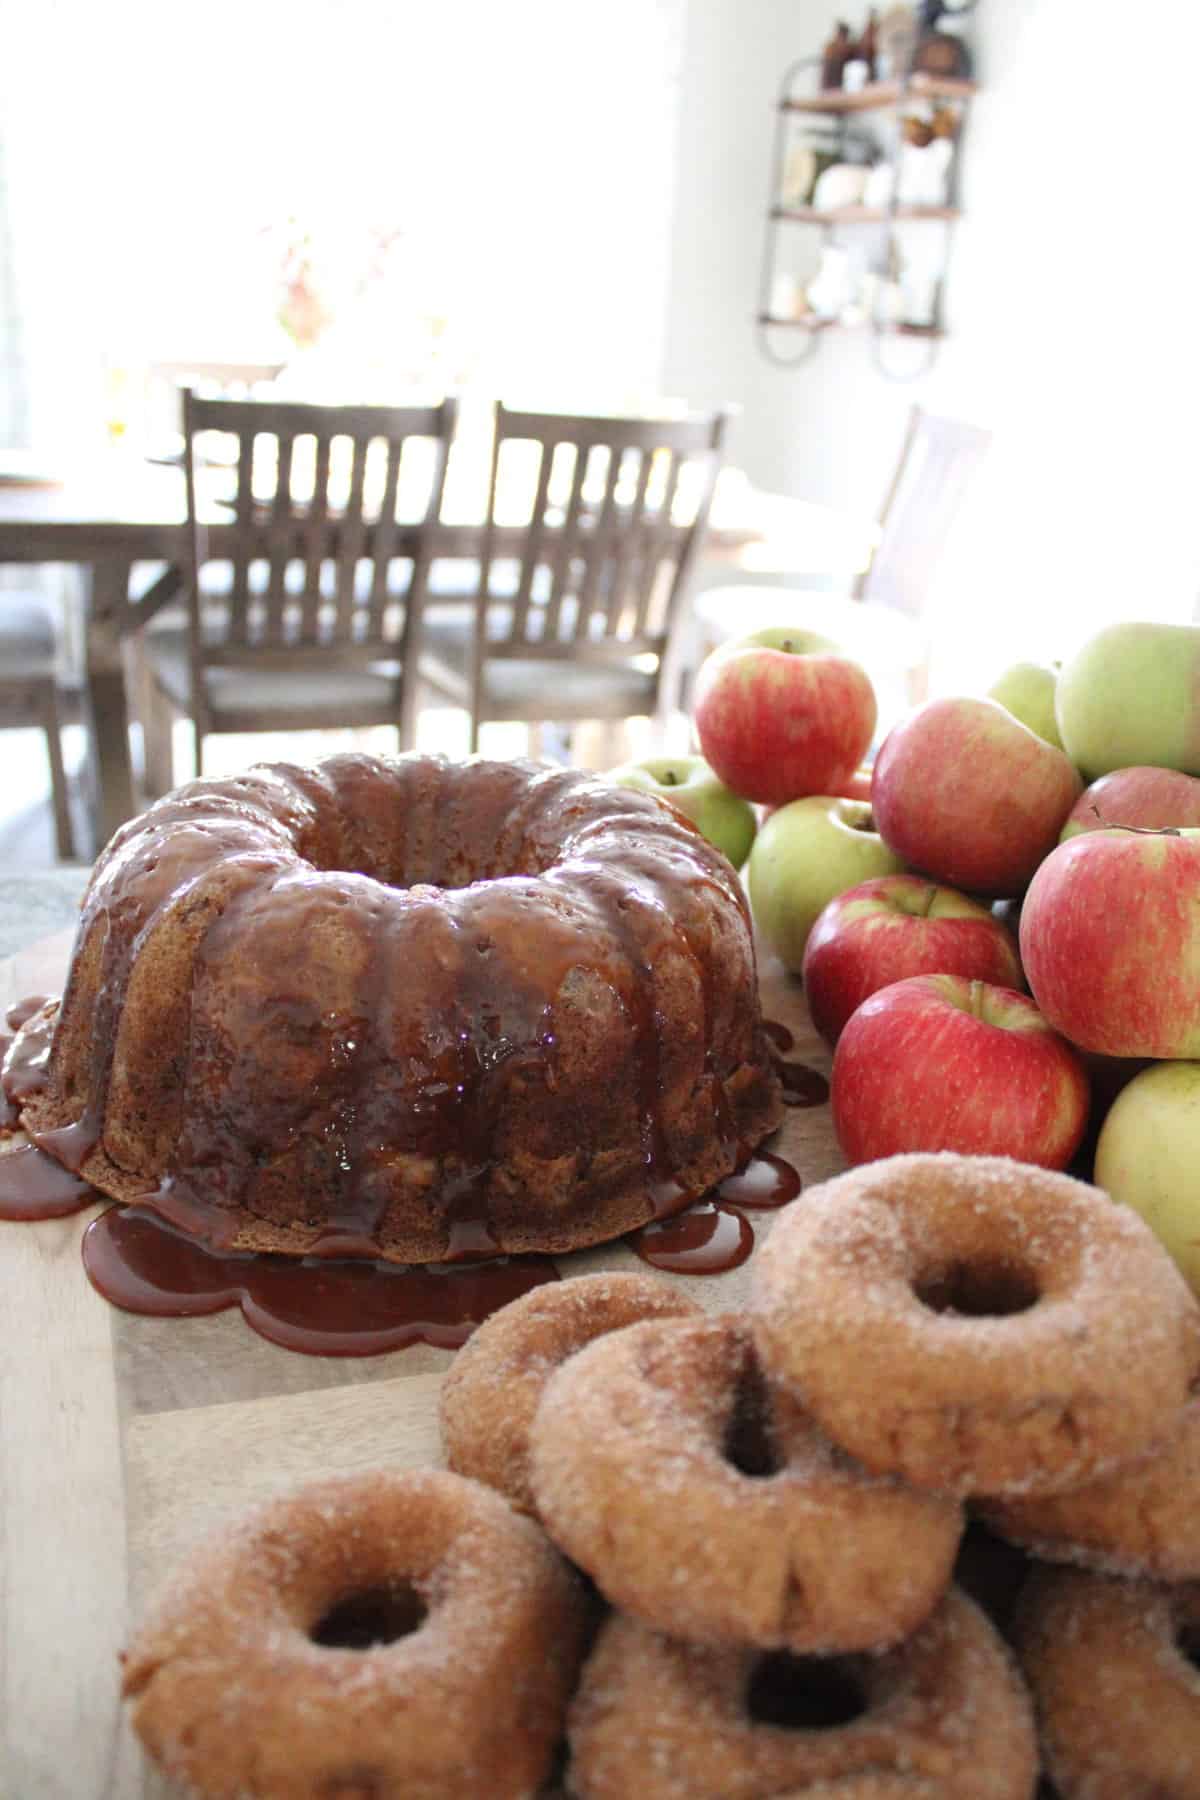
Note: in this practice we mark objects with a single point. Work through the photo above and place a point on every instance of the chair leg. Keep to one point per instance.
(158, 729)
(60, 796)
(199, 748)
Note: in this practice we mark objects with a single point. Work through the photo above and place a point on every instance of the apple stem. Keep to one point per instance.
(1141, 830)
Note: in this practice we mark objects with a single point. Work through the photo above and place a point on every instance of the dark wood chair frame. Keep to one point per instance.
(298, 629)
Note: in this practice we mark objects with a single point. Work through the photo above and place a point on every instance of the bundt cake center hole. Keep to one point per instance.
(369, 1618)
(748, 1443)
(978, 1289)
(1188, 1641)
(804, 1693)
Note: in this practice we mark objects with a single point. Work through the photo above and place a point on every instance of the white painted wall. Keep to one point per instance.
(1071, 306)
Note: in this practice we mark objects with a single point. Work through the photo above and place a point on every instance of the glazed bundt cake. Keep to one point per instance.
(410, 1009)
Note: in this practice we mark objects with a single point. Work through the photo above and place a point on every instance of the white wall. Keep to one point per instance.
(1071, 307)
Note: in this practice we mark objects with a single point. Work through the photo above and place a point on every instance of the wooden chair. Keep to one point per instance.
(310, 632)
(577, 603)
(30, 694)
(882, 619)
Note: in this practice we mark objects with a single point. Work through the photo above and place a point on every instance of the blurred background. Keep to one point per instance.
(567, 207)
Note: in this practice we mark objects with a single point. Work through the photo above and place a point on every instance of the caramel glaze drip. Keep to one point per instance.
(713, 1234)
(325, 1308)
(383, 1088)
(802, 1086)
(34, 1186)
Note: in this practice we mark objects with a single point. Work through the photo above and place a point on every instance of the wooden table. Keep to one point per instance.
(125, 1439)
(118, 510)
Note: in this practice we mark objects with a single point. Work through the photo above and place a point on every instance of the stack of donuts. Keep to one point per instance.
(769, 1508)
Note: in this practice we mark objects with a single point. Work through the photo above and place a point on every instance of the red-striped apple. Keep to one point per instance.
(1110, 940)
(783, 713)
(892, 927)
(1146, 796)
(938, 1062)
(967, 794)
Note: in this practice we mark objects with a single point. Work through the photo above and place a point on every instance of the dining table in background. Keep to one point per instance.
(116, 514)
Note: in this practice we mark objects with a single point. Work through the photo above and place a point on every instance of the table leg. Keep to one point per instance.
(106, 706)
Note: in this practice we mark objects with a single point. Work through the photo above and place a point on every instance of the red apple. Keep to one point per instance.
(1145, 796)
(941, 1063)
(895, 926)
(967, 794)
(782, 714)
(1110, 939)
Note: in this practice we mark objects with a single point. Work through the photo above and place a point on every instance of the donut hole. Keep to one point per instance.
(748, 1443)
(981, 1288)
(369, 1618)
(804, 1693)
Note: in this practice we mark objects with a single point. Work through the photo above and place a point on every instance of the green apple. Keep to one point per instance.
(1148, 1155)
(689, 784)
(1026, 690)
(1131, 695)
(806, 854)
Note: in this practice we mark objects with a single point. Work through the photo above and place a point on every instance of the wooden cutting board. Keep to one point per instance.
(124, 1440)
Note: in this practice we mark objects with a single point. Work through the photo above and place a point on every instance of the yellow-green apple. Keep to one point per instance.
(1110, 942)
(1131, 695)
(1148, 1154)
(723, 817)
(1147, 796)
(783, 713)
(937, 1062)
(1026, 690)
(805, 854)
(967, 794)
(892, 927)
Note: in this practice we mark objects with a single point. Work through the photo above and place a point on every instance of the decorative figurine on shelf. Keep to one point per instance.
(835, 56)
(940, 52)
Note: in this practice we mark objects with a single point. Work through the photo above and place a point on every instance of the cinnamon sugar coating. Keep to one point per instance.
(705, 1503)
(1143, 1520)
(976, 1325)
(408, 1008)
(236, 1699)
(496, 1381)
(945, 1716)
(1116, 1693)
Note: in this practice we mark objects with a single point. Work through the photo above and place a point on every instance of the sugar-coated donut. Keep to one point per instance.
(944, 1712)
(1115, 1683)
(976, 1325)
(383, 1635)
(710, 1507)
(1144, 1520)
(495, 1382)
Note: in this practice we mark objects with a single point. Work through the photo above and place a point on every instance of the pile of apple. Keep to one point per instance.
(888, 889)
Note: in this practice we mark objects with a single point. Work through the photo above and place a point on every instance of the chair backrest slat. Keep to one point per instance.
(308, 513)
(570, 544)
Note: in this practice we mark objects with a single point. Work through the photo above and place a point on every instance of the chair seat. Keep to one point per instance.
(28, 636)
(580, 689)
(270, 690)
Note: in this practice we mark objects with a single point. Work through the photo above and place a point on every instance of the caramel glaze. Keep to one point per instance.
(713, 1234)
(321, 1308)
(801, 1085)
(34, 1186)
(409, 1115)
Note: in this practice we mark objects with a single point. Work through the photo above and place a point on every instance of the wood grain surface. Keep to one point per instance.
(125, 1440)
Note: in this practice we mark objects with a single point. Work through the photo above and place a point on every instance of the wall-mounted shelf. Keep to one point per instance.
(859, 215)
(813, 324)
(880, 94)
(789, 340)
